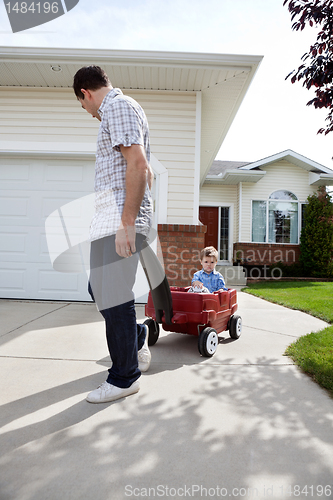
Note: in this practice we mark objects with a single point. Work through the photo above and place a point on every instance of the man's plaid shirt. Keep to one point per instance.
(213, 281)
(123, 122)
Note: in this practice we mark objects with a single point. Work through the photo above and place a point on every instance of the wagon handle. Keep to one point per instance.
(158, 284)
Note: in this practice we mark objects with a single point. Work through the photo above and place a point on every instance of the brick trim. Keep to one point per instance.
(260, 254)
(181, 245)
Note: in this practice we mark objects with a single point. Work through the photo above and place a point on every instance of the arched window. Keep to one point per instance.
(283, 195)
(277, 217)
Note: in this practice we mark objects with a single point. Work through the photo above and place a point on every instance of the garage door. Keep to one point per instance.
(30, 190)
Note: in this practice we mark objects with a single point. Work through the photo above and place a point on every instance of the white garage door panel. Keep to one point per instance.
(14, 206)
(62, 286)
(12, 244)
(64, 173)
(11, 171)
(52, 203)
(12, 281)
(18, 208)
(29, 192)
(50, 281)
(28, 282)
(23, 244)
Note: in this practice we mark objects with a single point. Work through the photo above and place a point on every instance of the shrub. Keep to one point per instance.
(288, 271)
(317, 236)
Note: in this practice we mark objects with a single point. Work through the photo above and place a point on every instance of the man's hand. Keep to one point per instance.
(125, 240)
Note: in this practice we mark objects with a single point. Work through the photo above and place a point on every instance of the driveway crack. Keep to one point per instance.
(35, 319)
(272, 331)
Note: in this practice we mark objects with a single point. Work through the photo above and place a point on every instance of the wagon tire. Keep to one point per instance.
(235, 327)
(153, 331)
(208, 342)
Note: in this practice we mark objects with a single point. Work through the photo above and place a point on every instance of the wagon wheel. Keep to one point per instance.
(208, 342)
(153, 331)
(235, 327)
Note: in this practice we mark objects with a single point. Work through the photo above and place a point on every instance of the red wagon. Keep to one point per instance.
(201, 314)
(204, 315)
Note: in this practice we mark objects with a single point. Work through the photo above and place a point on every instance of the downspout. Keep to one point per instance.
(197, 159)
(240, 211)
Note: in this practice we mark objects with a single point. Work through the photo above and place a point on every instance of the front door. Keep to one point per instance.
(209, 216)
(217, 220)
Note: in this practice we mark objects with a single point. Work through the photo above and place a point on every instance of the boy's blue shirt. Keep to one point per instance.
(213, 281)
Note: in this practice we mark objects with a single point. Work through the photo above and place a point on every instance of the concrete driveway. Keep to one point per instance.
(245, 423)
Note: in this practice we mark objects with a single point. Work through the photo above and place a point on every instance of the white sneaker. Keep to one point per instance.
(144, 355)
(107, 392)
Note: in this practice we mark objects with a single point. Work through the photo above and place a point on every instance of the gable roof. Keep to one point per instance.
(231, 172)
(292, 157)
(222, 80)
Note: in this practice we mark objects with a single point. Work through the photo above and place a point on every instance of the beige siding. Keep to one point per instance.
(172, 122)
(280, 175)
(45, 120)
(52, 120)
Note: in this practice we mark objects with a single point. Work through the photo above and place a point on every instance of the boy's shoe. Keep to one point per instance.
(144, 355)
(107, 392)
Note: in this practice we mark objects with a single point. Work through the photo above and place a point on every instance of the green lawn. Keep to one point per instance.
(313, 353)
(315, 298)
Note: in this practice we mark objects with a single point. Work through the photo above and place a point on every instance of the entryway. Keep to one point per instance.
(218, 235)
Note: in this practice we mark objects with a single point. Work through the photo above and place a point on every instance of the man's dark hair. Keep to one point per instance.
(89, 78)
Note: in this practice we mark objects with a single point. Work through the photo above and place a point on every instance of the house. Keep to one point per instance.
(47, 149)
(254, 211)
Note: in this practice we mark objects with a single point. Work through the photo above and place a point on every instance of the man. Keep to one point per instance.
(122, 220)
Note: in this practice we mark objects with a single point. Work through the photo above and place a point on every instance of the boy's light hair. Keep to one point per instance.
(209, 252)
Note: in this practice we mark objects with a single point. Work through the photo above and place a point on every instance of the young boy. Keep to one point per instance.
(208, 277)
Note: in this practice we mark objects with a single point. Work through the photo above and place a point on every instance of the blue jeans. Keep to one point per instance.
(111, 286)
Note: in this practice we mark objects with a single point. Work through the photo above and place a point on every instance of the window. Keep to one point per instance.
(283, 195)
(224, 233)
(259, 221)
(277, 218)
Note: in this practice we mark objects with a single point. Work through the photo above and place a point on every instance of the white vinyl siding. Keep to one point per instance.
(281, 175)
(172, 121)
(45, 120)
(52, 120)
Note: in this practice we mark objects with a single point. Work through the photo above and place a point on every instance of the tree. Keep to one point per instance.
(317, 236)
(317, 68)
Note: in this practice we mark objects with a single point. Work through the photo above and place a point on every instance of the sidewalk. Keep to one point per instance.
(245, 423)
